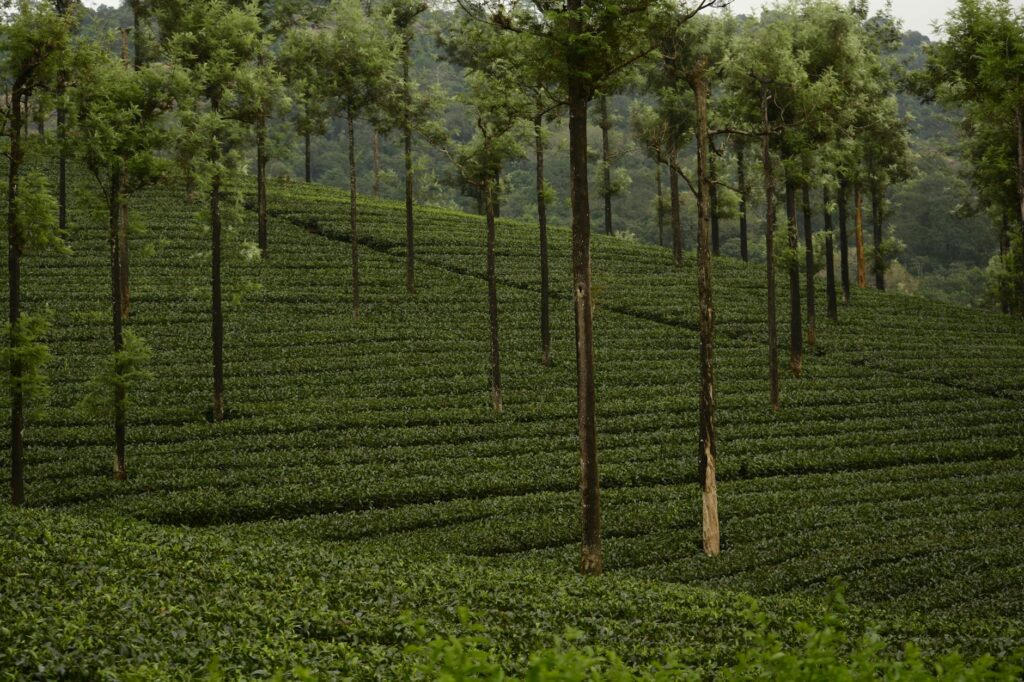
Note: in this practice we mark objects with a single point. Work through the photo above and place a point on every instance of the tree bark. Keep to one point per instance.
(14, 246)
(217, 315)
(606, 157)
(542, 221)
(715, 239)
(352, 209)
(117, 304)
(707, 446)
(376, 164)
(261, 185)
(1004, 251)
(830, 279)
(308, 157)
(796, 341)
(809, 259)
(769, 236)
(741, 172)
(844, 242)
(876, 225)
(123, 257)
(1019, 116)
(677, 223)
(62, 171)
(579, 93)
(410, 254)
(661, 205)
(492, 297)
(862, 266)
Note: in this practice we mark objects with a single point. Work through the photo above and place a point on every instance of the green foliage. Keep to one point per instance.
(26, 350)
(36, 211)
(123, 373)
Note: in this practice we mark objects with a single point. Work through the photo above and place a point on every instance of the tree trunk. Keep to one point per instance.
(1019, 117)
(1004, 252)
(809, 259)
(62, 172)
(14, 246)
(796, 333)
(122, 240)
(217, 315)
(707, 447)
(308, 157)
(261, 184)
(352, 208)
(410, 255)
(492, 297)
(862, 266)
(376, 164)
(741, 173)
(876, 225)
(542, 220)
(715, 240)
(769, 237)
(117, 303)
(830, 278)
(578, 95)
(844, 242)
(606, 157)
(677, 223)
(661, 205)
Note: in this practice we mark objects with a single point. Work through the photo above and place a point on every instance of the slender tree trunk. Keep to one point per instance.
(741, 172)
(677, 223)
(62, 172)
(261, 185)
(217, 314)
(26, 117)
(123, 257)
(809, 259)
(1019, 117)
(830, 278)
(862, 266)
(590, 507)
(606, 157)
(769, 236)
(707, 446)
(14, 246)
(352, 209)
(410, 254)
(496, 193)
(308, 157)
(377, 164)
(715, 238)
(1004, 252)
(542, 221)
(117, 304)
(796, 341)
(844, 242)
(876, 225)
(492, 297)
(661, 205)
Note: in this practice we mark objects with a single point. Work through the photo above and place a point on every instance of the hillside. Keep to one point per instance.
(895, 464)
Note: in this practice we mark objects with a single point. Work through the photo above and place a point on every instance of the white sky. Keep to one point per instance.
(916, 14)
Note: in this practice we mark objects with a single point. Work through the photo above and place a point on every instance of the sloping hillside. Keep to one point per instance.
(896, 462)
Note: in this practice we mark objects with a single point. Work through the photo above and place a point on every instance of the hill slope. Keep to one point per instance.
(896, 462)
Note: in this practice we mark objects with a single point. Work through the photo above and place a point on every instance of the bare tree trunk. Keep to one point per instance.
(862, 266)
(1019, 117)
(844, 242)
(606, 157)
(769, 236)
(376, 164)
(261, 185)
(809, 259)
(715, 240)
(590, 506)
(352, 208)
(122, 239)
(796, 341)
(62, 171)
(117, 287)
(741, 172)
(661, 205)
(410, 254)
(542, 220)
(830, 279)
(492, 297)
(14, 245)
(677, 223)
(308, 157)
(217, 315)
(876, 225)
(707, 447)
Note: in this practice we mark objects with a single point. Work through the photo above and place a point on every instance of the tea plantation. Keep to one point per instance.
(362, 494)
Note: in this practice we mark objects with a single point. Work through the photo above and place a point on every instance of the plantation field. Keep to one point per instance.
(362, 471)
